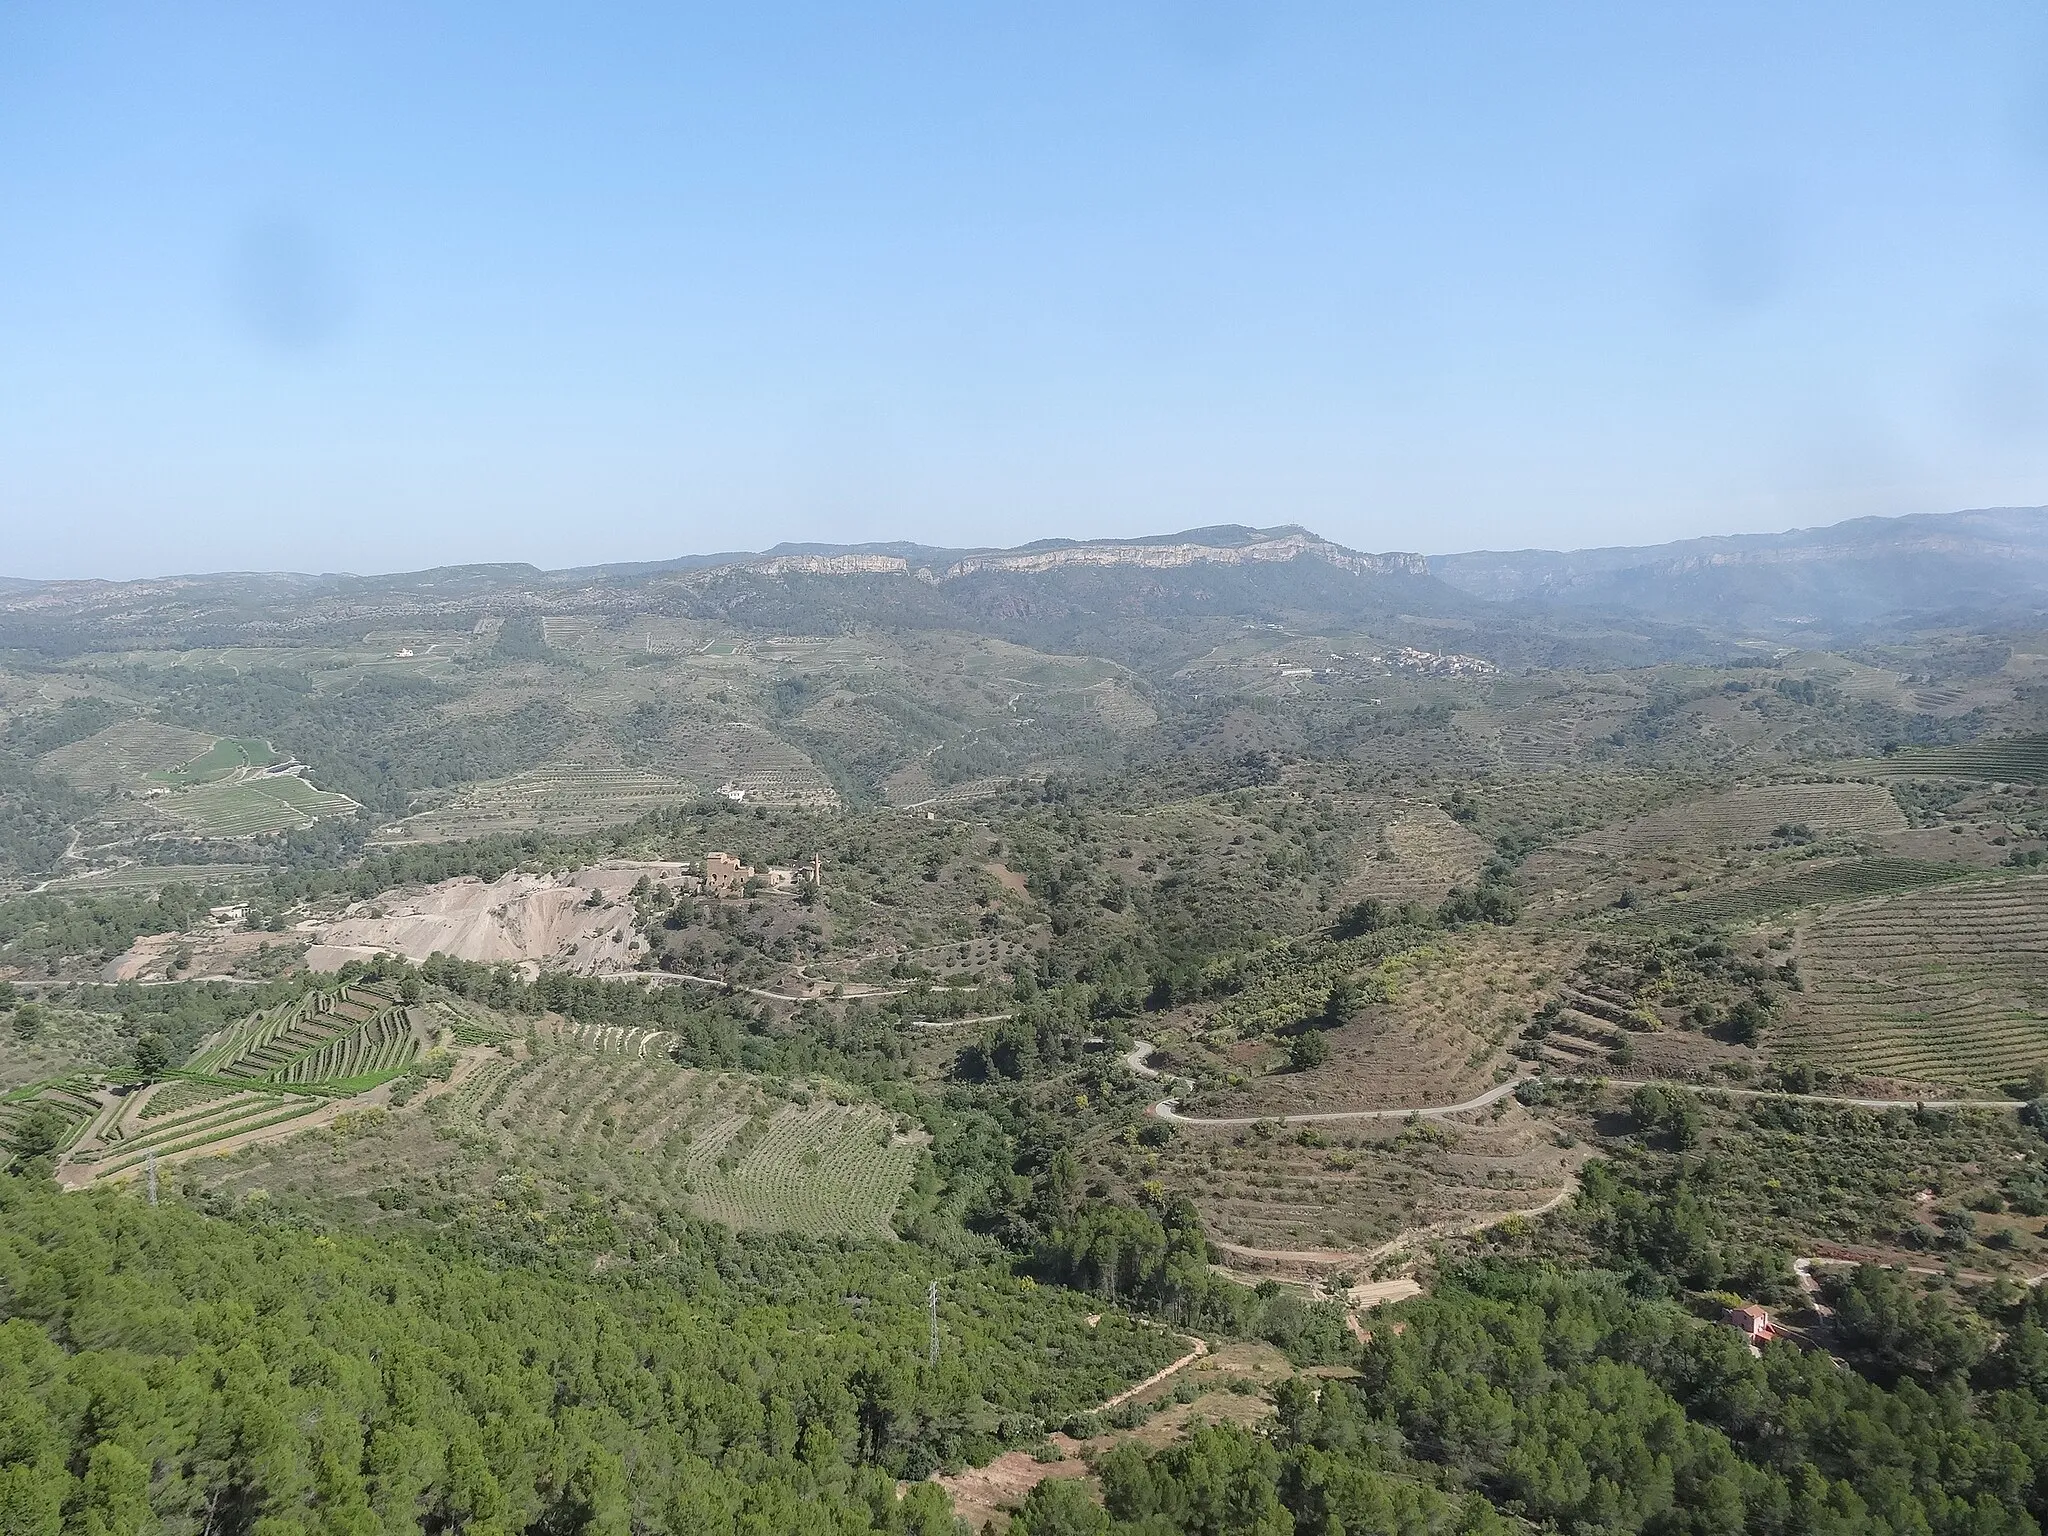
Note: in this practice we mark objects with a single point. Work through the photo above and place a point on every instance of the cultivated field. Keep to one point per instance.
(1348, 1188)
(716, 1143)
(228, 757)
(1451, 1010)
(245, 807)
(1945, 985)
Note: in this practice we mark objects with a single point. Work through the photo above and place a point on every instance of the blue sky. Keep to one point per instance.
(373, 287)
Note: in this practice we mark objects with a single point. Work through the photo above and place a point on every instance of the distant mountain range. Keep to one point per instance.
(1964, 567)
(1144, 600)
(1128, 595)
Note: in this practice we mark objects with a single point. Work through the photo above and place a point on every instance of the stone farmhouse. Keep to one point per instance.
(725, 875)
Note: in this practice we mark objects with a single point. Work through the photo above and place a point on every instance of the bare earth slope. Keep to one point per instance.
(547, 919)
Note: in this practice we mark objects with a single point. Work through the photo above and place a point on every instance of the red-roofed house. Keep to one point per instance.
(1752, 1322)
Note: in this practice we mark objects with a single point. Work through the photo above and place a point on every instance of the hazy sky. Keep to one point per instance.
(374, 287)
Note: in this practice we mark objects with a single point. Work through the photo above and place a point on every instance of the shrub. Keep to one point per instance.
(1308, 1050)
(1345, 999)
(1060, 1507)
(152, 1056)
(37, 1134)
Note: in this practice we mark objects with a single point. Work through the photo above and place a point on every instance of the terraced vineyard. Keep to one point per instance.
(154, 877)
(715, 1142)
(382, 1046)
(566, 798)
(824, 1169)
(1745, 817)
(757, 761)
(965, 793)
(566, 632)
(1834, 881)
(75, 1099)
(1448, 1013)
(1426, 853)
(610, 1039)
(267, 1073)
(2010, 760)
(469, 1025)
(572, 796)
(1948, 985)
(213, 786)
(319, 1037)
(125, 754)
(127, 1145)
(1531, 745)
(176, 1097)
(1552, 733)
(1351, 1187)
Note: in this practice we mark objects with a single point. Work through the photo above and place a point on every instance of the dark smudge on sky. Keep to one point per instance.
(1738, 249)
(285, 286)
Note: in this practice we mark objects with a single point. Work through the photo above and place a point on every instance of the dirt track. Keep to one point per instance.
(987, 1494)
(1201, 1348)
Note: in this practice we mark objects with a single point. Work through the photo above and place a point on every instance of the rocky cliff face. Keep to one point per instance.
(1163, 556)
(821, 565)
(1261, 547)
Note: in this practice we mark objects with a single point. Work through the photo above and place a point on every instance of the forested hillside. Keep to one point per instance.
(160, 1369)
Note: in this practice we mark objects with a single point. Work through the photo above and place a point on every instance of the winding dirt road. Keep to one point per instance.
(1137, 1060)
(780, 997)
